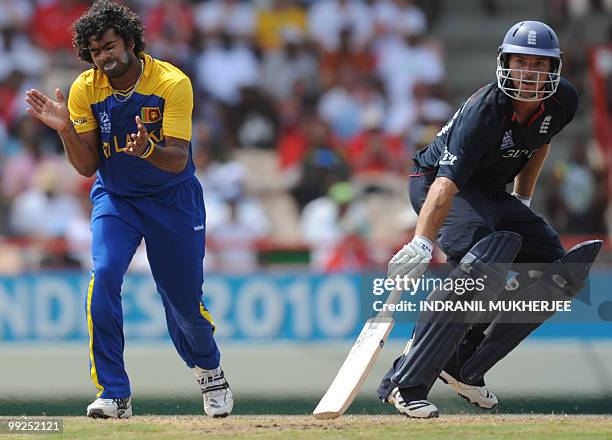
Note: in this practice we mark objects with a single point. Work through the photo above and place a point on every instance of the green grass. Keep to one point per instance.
(463, 427)
(245, 405)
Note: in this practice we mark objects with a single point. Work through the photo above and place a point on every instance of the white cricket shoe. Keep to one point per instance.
(480, 396)
(418, 409)
(110, 408)
(216, 392)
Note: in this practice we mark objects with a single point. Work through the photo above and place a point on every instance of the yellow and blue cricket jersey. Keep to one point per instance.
(164, 101)
(134, 200)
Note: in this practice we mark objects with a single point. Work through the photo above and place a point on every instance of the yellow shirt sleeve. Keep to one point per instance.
(79, 107)
(177, 110)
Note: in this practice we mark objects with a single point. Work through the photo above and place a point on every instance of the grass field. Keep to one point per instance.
(459, 427)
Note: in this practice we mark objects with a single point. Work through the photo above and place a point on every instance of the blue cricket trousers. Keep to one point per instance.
(172, 225)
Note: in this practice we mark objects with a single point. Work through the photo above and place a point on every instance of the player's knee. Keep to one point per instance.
(190, 321)
(106, 275)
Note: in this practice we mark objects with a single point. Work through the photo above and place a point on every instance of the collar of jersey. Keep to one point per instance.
(104, 82)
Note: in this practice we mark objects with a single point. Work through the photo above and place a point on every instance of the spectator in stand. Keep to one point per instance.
(19, 55)
(392, 17)
(42, 215)
(293, 141)
(224, 67)
(78, 232)
(412, 59)
(342, 106)
(27, 151)
(16, 49)
(347, 57)
(578, 200)
(217, 17)
(335, 226)
(15, 14)
(253, 121)
(372, 152)
(290, 63)
(50, 26)
(564, 11)
(47, 207)
(322, 166)
(170, 30)
(273, 21)
(327, 19)
(425, 112)
(9, 90)
(235, 224)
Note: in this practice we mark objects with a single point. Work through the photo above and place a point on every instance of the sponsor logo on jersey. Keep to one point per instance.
(545, 124)
(447, 158)
(531, 38)
(507, 141)
(150, 114)
(105, 123)
(80, 121)
(518, 152)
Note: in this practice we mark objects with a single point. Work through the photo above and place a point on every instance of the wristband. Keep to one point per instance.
(149, 150)
(423, 243)
(524, 200)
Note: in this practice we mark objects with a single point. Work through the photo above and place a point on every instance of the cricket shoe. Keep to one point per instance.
(474, 394)
(216, 392)
(418, 409)
(110, 408)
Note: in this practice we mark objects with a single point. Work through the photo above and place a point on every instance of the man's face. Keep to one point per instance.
(110, 54)
(529, 72)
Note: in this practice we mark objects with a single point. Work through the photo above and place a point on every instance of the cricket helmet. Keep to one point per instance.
(529, 38)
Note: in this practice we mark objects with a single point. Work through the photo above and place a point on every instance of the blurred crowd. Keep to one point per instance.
(306, 116)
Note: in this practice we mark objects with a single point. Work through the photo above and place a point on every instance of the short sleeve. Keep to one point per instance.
(569, 99)
(177, 110)
(79, 107)
(465, 146)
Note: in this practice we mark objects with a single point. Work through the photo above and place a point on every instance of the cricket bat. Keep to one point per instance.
(357, 365)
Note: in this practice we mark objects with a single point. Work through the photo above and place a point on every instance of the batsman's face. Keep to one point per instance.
(529, 72)
(110, 54)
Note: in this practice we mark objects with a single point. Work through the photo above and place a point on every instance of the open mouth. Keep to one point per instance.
(110, 65)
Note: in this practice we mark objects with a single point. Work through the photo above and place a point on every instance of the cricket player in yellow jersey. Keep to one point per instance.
(128, 120)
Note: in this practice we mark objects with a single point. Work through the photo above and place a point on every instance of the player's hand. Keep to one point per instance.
(411, 261)
(140, 140)
(55, 114)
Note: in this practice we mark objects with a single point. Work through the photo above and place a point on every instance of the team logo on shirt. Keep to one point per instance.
(105, 123)
(545, 124)
(150, 114)
(507, 141)
(447, 158)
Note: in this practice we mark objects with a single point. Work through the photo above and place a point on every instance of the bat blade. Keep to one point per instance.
(355, 369)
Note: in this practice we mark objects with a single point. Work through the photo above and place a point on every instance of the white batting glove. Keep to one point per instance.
(412, 260)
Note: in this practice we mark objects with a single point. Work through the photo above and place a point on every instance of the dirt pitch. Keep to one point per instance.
(490, 427)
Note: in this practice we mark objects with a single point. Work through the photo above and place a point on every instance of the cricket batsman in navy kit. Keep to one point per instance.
(128, 119)
(500, 135)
